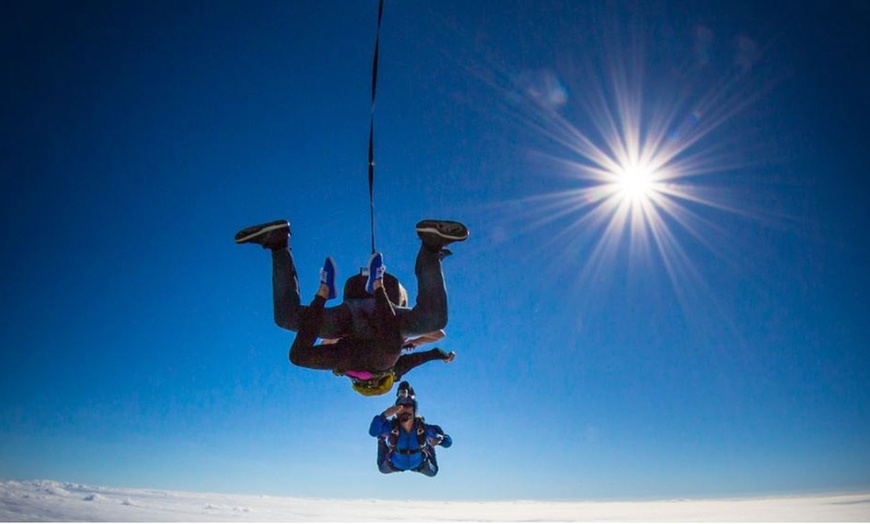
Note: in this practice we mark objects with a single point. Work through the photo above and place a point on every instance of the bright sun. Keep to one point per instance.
(636, 182)
(643, 169)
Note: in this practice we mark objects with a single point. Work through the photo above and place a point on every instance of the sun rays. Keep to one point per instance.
(646, 182)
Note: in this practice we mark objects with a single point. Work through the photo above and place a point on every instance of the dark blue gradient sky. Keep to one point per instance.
(714, 344)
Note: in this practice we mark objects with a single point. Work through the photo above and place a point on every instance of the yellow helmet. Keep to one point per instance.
(373, 386)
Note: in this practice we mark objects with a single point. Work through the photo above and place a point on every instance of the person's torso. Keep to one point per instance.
(369, 353)
(362, 315)
(407, 452)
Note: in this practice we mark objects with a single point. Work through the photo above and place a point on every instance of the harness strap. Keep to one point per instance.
(393, 439)
(408, 451)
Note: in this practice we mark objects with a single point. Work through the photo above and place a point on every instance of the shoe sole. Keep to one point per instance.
(444, 228)
(246, 235)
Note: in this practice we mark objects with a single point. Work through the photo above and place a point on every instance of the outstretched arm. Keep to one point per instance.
(428, 338)
(408, 362)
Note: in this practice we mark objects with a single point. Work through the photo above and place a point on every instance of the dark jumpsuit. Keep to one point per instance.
(371, 331)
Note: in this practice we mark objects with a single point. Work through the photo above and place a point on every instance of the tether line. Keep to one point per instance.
(372, 125)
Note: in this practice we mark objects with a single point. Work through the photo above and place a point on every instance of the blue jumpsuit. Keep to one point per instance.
(407, 455)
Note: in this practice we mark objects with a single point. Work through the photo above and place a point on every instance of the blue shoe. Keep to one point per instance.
(271, 235)
(376, 271)
(327, 276)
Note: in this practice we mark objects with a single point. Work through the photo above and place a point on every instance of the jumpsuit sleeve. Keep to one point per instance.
(380, 426)
(409, 361)
(434, 431)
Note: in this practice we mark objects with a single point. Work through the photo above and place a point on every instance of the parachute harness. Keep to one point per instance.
(393, 440)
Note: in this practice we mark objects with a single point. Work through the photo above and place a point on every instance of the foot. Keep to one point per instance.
(327, 277)
(376, 271)
(271, 235)
(436, 234)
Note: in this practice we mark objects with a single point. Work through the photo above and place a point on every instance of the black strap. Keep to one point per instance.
(372, 125)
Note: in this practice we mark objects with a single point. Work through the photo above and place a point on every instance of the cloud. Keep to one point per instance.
(51, 500)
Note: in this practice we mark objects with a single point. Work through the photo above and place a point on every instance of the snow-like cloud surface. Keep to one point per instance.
(57, 501)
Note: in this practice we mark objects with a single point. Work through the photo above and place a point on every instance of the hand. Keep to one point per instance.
(434, 441)
(449, 358)
(392, 410)
(409, 345)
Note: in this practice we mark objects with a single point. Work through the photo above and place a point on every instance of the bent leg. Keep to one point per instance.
(384, 465)
(429, 467)
(285, 290)
(305, 353)
(334, 322)
(386, 468)
(430, 310)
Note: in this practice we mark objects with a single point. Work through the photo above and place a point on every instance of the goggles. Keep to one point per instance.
(404, 393)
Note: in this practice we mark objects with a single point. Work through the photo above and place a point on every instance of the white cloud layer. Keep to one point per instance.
(57, 501)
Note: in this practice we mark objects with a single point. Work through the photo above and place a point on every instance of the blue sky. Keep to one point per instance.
(717, 347)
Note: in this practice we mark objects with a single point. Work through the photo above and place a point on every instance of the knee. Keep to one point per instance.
(295, 356)
(429, 471)
(281, 320)
(439, 322)
(286, 322)
(434, 322)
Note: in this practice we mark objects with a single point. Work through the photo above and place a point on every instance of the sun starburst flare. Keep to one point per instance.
(646, 184)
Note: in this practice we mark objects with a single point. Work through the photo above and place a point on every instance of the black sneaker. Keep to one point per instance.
(436, 234)
(271, 235)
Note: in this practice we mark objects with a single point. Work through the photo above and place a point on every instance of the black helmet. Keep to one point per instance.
(405, 395)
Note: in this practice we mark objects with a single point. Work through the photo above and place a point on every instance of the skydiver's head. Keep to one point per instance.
(373, 386)
(408, 407)
(407, 400)
(355, 287)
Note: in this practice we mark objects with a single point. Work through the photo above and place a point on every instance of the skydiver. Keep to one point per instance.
(405, 441)
(372, 331)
